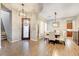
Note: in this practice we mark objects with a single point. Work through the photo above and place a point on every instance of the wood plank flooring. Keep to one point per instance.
(39, 48)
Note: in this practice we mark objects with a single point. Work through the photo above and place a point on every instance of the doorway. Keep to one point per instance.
(6, 26)
(25, 28)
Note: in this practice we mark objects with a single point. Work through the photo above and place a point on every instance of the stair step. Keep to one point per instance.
(3, 38)
(3, 35)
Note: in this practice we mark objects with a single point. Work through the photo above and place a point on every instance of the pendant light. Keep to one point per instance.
(55, 23)
(22, 13)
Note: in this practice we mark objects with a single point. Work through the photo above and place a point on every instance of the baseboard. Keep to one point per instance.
(34, 39)
(14, 41)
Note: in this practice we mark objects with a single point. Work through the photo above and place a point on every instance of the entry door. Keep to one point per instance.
(25, 28)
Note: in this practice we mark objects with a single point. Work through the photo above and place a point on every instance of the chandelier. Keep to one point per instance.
(22, 12)
(55, 23)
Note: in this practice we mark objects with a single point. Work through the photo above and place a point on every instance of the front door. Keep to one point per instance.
(25, 28)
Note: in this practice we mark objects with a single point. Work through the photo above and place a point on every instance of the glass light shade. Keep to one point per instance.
(22, 14)
(55, 24)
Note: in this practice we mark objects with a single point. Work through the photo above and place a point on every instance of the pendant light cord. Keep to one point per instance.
(55, 16)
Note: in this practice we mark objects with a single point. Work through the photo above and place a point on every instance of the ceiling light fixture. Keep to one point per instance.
(22, 13)
(55, 23)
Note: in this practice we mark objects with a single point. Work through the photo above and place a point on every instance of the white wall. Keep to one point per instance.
(76, 23)
(41, 28)
(76, 29)
(33, 25)
(16, 26)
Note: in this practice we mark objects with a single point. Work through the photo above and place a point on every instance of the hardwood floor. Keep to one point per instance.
(39, 48)
(4, 43)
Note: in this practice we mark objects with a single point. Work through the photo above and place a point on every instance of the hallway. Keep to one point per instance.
(40, 48)
(58, 23)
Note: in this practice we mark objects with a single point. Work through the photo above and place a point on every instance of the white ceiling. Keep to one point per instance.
(62, 9)
(48, 9)
(28, 7)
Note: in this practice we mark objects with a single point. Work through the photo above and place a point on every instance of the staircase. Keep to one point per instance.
(3, 36)
(3, 33)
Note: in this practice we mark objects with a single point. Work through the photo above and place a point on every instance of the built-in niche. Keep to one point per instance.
(69, 28)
